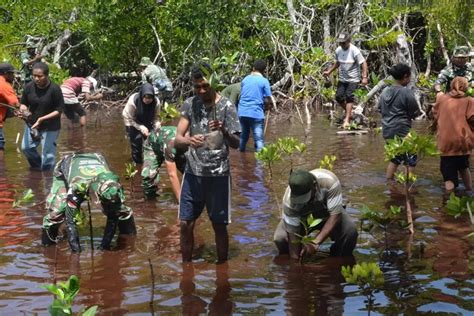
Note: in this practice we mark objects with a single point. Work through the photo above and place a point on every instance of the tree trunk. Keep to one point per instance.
(441, 44)
(327, 33)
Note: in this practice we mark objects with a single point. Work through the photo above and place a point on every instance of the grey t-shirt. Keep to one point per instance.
(349, 63)
(398, 107)
(209, 160)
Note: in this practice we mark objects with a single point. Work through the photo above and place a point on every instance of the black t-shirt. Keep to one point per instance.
(42, 102)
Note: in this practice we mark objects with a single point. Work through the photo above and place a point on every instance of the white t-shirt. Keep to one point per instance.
(349, 63)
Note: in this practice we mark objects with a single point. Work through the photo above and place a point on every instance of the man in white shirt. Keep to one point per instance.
(349, 60)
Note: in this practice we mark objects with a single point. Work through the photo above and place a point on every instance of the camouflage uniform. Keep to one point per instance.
(159, 147)
(451, 71)
(90, 171)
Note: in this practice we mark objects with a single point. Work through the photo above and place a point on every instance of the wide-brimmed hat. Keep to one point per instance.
(461, 51)
(301, 183)
(145, 61)
(6, 68)
(343, 37)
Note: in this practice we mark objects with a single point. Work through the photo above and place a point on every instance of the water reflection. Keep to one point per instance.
(313, 289)
(192, 304)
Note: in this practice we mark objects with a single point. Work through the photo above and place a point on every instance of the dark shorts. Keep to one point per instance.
(345, 92)
(406, 159)
(450, 165)
(70, 109)
(211, 192)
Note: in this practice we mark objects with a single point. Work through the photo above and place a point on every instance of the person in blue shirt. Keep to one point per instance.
(255, 98)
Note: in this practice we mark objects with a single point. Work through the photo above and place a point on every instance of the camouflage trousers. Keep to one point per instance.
(56, 204)
(150, 171)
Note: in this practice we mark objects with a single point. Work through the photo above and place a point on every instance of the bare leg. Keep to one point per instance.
(222, 242)
(466, 178)
(82, 120)
(347, 119)
(391, 169)
(449, 186)
(187, 240)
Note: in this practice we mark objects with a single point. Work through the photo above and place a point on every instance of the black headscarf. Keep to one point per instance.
(145, 114)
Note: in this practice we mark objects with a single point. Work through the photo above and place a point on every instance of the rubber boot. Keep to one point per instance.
(72, 234)
(127, 227)
(49, 235)
(109, 232)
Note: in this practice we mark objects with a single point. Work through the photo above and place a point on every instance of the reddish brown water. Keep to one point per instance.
(433, 271)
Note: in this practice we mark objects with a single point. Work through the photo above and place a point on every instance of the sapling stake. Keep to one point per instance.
(152, 297)
(90, 225)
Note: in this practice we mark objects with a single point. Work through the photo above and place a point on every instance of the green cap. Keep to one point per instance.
(145, 61)
(461, 51)
(31, 44)
(301, 183)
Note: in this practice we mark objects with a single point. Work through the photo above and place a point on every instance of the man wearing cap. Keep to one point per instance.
(158, 148)
(459, 67)
(317, 193)
(7, 96)
(349, 60)
(28, 59)
(72, 89)
(155, 75)
(74, 175)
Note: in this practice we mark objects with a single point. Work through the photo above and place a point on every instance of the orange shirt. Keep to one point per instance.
(455, 118)
(8, 96)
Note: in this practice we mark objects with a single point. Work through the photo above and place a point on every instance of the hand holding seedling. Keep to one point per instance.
(309, 249)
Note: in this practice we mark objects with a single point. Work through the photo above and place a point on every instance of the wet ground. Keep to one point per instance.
(429, 273)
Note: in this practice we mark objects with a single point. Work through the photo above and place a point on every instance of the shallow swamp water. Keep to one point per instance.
(428, 273)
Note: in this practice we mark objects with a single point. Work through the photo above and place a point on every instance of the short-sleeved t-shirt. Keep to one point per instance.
(44, 101)
(327, 201)
(204, 161)
(349, 63)
(398, 107)
(254, 89)
(72, 87)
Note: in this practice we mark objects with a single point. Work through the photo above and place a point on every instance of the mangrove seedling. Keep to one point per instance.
(327, 162)
(380, 219)
(130, 173)
(458, 206)
(26, 198)
(309, 226)
(168, 112)
(412, 144)
(288, 146)
(269, 154)
(368, 277)
(64, 293)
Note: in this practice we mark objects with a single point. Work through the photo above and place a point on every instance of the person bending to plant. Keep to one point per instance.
(315, 195)
(73, 176)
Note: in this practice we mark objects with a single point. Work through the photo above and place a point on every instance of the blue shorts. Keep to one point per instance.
(406, 159)
(211, 192)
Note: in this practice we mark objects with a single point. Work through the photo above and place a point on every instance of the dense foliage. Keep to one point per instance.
(297, 37)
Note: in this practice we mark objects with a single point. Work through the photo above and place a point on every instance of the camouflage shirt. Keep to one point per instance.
(161, 141)
(211, 159)
(451, 71)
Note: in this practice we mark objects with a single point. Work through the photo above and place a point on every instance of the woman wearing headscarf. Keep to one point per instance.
(139, 117)
(454, 115)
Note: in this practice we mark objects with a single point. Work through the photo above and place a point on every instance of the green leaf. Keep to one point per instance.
(91, 311)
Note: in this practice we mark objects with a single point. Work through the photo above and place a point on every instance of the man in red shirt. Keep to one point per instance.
(7, 96)
(71, 89)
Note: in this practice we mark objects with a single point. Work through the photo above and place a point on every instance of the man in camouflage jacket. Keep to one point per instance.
(158, 148)
(459, 67)
(73, 176)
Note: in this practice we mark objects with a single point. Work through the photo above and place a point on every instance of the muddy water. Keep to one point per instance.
(433, 271)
